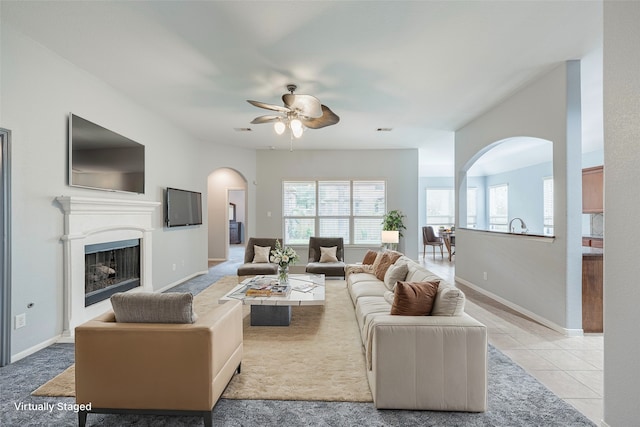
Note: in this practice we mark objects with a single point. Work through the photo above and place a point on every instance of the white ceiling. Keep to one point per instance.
(422, 68)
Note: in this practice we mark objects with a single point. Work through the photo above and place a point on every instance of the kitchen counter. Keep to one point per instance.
(590, 251)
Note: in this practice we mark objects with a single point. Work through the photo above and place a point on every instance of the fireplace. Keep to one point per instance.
(109, 268)
(107, 249)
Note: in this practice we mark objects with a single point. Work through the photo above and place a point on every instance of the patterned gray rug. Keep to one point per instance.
(515, 399)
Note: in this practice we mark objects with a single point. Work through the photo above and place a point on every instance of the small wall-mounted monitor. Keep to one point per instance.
(182, 208)
(102, 159)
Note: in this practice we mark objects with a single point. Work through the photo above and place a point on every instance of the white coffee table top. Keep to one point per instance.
(306, 289)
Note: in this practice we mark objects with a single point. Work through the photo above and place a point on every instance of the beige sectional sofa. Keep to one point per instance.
(435, 362)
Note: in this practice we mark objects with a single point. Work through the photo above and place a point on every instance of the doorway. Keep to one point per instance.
(5, 248)
(226, 186)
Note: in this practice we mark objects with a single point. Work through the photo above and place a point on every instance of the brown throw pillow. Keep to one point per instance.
(414, 298)
(386, 260)
(369, 257)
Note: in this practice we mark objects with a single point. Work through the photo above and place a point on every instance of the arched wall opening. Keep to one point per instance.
(224, 186)
(508, 180)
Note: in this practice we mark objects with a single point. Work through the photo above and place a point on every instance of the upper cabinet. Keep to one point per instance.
(592, 190)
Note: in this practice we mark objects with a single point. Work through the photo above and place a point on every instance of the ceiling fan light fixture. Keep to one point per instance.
(296, 125)
(279, 127)
(297, 131)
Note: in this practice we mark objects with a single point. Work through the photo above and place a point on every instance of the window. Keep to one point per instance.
(440, 207)
(352, 210)
(299, 210)
(499, 207)
(472, 207)
(548, 205)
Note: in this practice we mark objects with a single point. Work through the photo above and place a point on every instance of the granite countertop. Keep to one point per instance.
(589, 251)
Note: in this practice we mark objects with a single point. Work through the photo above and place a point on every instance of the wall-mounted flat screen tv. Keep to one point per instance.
(183, 208)
(102, 159)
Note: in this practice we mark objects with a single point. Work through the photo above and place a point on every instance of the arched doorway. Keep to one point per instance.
(226, 188)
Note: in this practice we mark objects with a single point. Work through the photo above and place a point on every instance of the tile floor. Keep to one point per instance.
(570, 367)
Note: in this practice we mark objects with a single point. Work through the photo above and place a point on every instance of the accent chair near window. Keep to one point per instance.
(258, 265)
(322, 260)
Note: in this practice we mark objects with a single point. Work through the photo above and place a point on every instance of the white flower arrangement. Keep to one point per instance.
(283, 256)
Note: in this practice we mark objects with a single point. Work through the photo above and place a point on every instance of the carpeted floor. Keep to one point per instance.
(515, 398)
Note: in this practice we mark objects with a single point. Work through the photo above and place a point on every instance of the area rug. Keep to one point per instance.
(317, 358)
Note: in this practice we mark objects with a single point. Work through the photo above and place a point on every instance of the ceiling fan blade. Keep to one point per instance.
(306, 105)
(265, 119)
(269, 106)
(328, 118)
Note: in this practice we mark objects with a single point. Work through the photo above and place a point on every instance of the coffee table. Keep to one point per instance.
(306, 289)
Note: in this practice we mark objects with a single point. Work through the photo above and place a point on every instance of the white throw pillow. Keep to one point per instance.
(328, 254)
(261, 254)
(389, 297)
(449, 302)
(395, 273)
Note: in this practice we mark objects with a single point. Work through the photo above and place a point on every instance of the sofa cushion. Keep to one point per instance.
(389, 296)
(328, 254)
(147, 307)
(414, 298)
(369, 257)
(374, 288)
(386, 260)
(261, 254)
(395, 273)
(418, 273)
(449, 302)
(367, 309)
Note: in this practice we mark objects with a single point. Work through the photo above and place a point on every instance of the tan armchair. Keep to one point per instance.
(153, 368)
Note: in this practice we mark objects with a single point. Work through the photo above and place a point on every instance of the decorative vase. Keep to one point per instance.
(283, 275)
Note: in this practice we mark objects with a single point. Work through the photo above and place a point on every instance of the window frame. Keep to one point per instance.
(352, 218)
(498, 225)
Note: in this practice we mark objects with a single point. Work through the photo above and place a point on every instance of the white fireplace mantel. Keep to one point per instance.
(96, 220)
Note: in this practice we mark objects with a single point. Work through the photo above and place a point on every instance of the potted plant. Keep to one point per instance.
(393, 221)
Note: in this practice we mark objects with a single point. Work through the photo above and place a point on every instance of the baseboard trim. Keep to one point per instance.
(217, 259)
(177, 282)
(522, 310)
(34, 349)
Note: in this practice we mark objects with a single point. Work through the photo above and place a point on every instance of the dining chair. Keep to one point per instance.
(429, 238)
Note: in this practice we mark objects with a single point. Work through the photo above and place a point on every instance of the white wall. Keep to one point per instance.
(39, 89)
(622, 204)
(548, 108)
(398, 167)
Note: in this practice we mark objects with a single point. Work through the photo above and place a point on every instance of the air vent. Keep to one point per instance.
(242, 129)
(384, 129)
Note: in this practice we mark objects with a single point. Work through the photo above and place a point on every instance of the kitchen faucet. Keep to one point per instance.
(522, 226)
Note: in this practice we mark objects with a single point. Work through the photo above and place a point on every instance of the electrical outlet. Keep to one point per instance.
(173, 267)
(484, 275)
(21, 320)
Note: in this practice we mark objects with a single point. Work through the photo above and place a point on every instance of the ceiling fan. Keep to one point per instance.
(299, 111)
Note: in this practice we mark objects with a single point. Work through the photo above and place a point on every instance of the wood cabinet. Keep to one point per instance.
(592, 296)
(595, 242)
(592, 190)
(235, 232)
